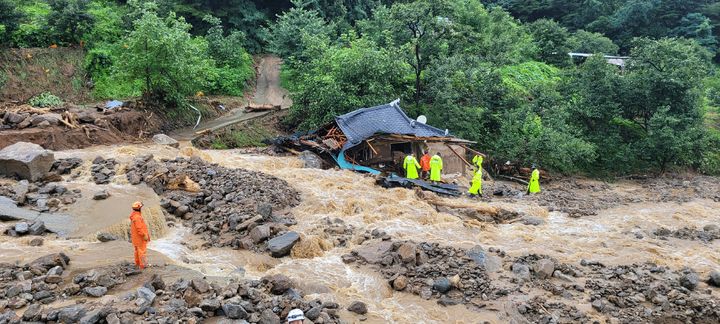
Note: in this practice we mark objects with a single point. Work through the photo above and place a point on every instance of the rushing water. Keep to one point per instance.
(609, 237)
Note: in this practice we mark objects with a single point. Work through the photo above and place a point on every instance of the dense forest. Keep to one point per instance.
(496, 72)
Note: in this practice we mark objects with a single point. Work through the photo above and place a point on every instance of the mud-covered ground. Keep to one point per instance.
(252, 225)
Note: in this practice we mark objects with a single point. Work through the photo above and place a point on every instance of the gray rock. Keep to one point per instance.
(49, 119)
(51, 260)
(558, 274)
(710, 228)
(22, 228)
(260, 233)
(210, 304)
(106, 237)
(38, 241)
(269, 317)
(407, 252)
(53, 279)
(57, 270)
(689, 280)
(71, 314)
(92, 316)
(200, 285)
(598, 305)
(311, 160)
(32, 313)
(358, 307)
(21, 190)
(234, 311)
(313, 313)
(280, 246)
(534, 221)
(264, 210)
(279, 283)
(37, 228)
(374, 252)
(26, 161)
(714, 279)
(544, 268)
(146, 294)
(163, 139)
(477, 254)
(112, 319)
(521, 270)
(101, 195)
(98, 291)
(13, 118)
(442, 285)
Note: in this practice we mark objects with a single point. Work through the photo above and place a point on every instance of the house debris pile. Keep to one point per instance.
(376, 140)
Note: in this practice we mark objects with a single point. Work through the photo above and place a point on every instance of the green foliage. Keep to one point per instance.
(69, 20)
(552, 41)
(341, 79)
(165, 57)
(286, 37)
(33, 28)
(234, 64)
(10, 18)
(108, 23)
(589, 42)
(45, 99)
(520, 78)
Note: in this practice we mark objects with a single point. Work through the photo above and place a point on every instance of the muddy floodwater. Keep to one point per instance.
(616, 235)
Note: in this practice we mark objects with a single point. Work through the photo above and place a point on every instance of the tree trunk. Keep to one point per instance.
(418, 71)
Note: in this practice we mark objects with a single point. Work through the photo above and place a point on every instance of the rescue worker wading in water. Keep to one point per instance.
(139, 235)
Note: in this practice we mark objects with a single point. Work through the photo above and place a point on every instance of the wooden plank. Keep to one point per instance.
(458, 155)
(371, 147)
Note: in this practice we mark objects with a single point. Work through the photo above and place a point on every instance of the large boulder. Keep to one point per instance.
(163, 139)
(51, 119)
(280, 246)
(311, 160)
(26, 161)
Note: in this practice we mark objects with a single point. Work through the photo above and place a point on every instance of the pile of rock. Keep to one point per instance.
(31, 118)
(97, 282)
(229, 207)
(456, 276)
(338, 230)
(103, 170)
(191, 300)
(27, 228)
(35, 282)
(65, 166)
(50, 197)
(707, 234)
(647, 292)
(540, 310)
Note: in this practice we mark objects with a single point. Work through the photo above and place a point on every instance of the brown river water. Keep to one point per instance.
(608, 237)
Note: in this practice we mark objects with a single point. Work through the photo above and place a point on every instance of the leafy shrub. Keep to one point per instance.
(45, 99)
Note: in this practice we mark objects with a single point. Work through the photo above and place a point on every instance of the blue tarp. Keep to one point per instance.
(384, 119)
(113, 104)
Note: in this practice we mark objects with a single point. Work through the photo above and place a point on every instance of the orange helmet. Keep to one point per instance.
(137, 205)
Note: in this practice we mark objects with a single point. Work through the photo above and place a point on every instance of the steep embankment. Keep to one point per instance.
(25, 73)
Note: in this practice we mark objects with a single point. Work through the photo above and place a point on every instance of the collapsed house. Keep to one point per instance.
(376, 140)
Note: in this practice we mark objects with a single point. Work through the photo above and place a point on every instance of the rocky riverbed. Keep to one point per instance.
(267, 235)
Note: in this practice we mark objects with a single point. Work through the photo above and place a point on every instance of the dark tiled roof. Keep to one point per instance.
(384, 119)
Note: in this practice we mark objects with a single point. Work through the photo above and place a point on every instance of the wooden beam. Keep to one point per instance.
(458, 155)
(371, 147)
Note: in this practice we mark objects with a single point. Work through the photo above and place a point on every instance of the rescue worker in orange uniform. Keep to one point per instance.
(425, 165)
(139, 234)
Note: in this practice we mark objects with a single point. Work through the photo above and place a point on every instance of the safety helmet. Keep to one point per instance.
(137, 205)
(295, 315)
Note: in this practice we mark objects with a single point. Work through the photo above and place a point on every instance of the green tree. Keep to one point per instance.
(344, 78)
(552, 41)
(234, 64)
(286, 35)
(698, 27)
(69, 20)
(162, 54)
(10, 19)
(589, 42)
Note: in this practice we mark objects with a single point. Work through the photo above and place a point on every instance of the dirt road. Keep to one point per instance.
(267, 91)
